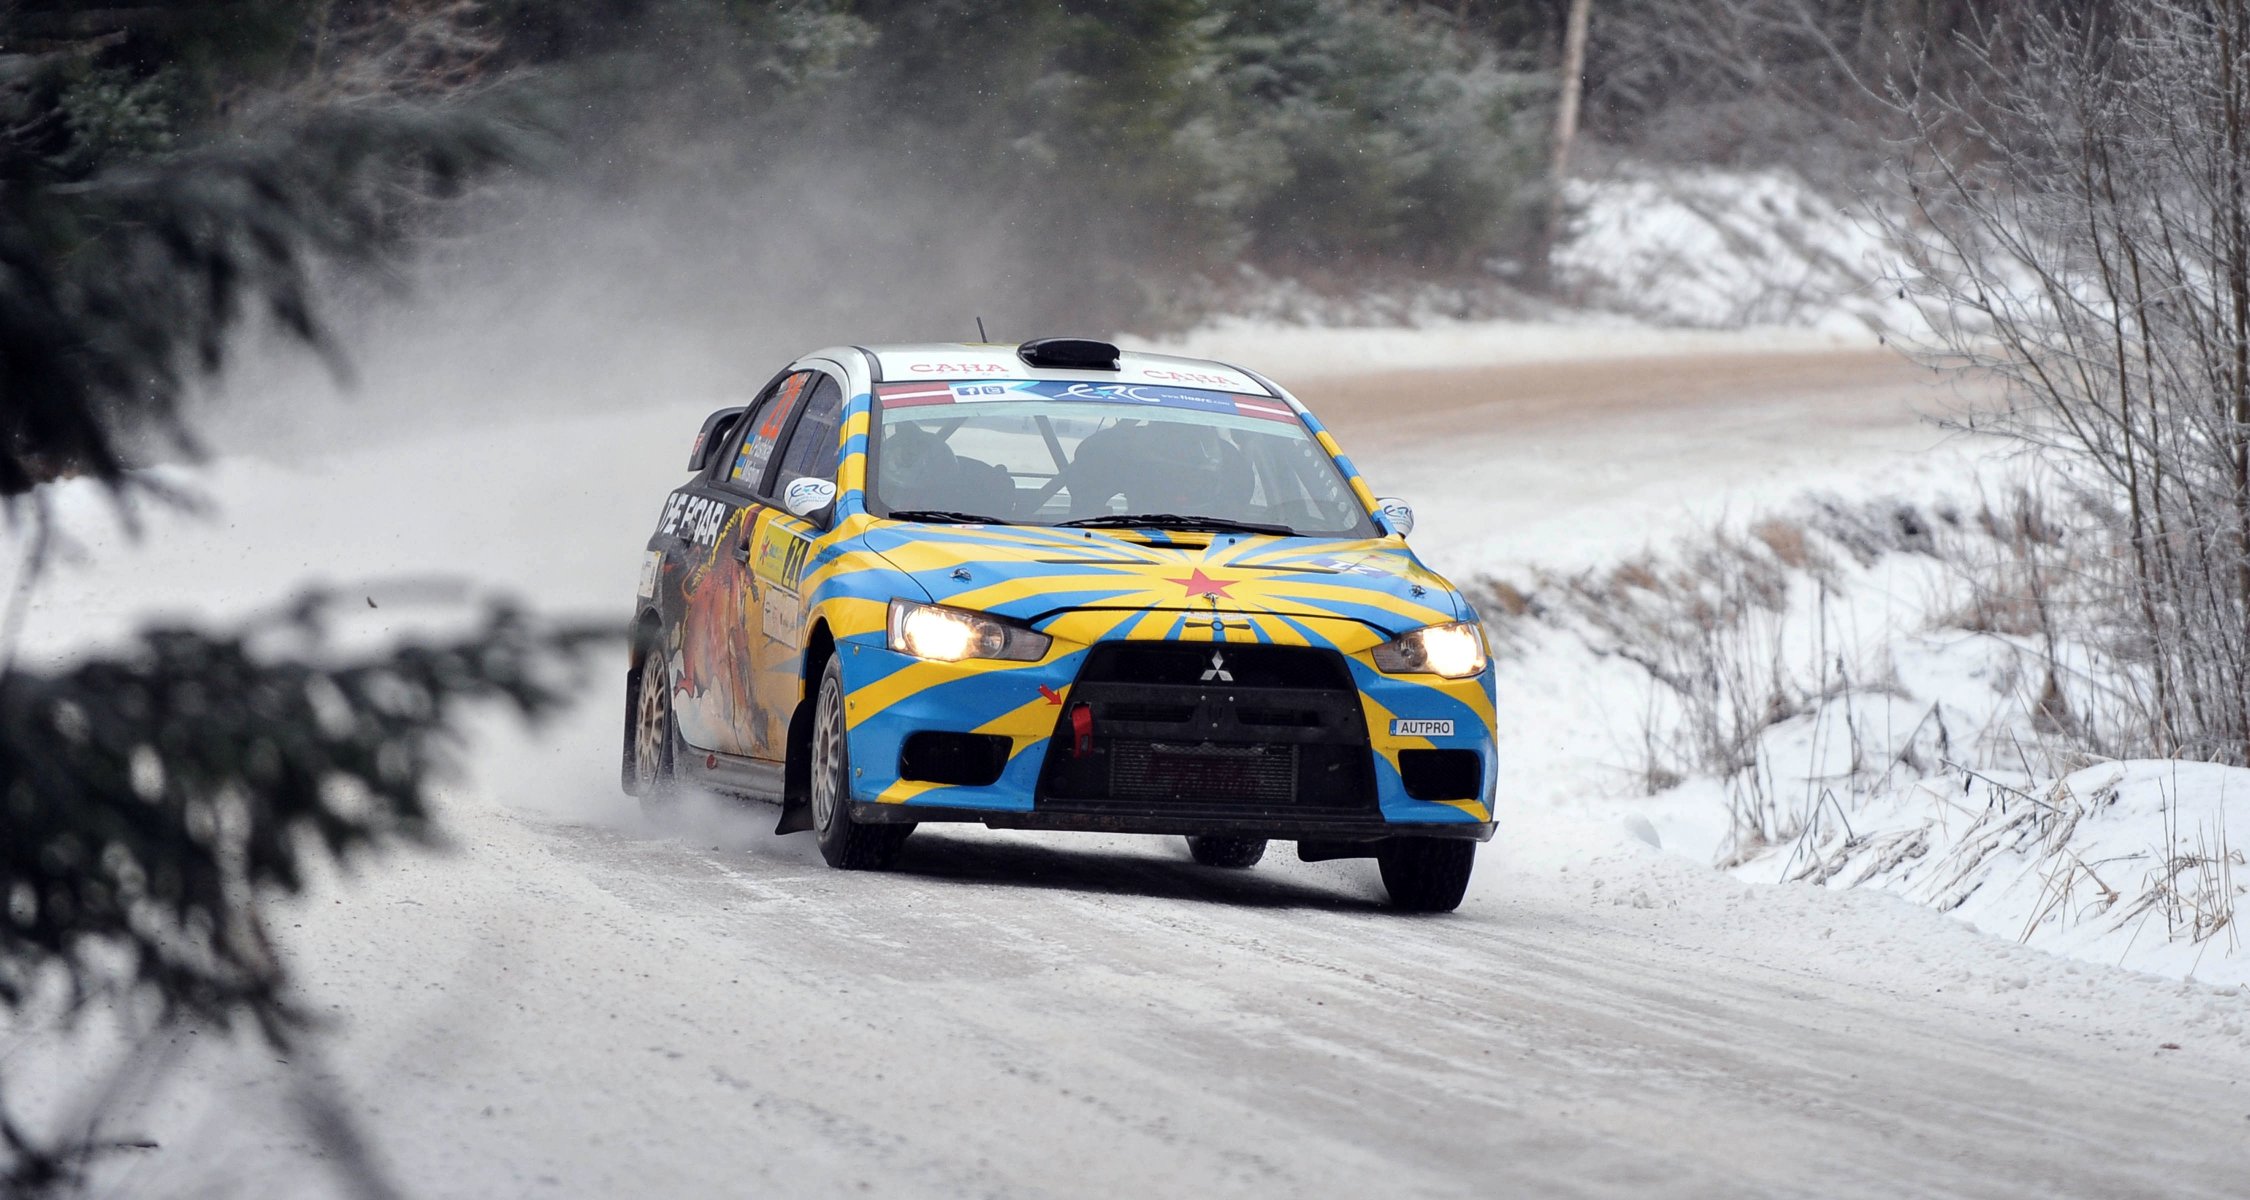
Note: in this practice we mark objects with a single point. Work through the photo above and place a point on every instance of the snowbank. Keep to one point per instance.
(1299, 351)
(1723, 249)
(1838, 697)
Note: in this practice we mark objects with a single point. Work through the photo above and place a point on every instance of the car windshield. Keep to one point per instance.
(1051, 453)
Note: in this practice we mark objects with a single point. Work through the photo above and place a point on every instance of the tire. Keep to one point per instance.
(649, 751)
(846, 844)
(1427, 874)
(1232, 852)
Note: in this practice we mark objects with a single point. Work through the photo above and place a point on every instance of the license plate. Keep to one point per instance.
(1406, 728)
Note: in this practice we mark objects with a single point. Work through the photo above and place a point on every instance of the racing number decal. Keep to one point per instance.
(780, 555)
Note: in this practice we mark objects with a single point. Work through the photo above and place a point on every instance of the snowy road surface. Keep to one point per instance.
(571, 1003)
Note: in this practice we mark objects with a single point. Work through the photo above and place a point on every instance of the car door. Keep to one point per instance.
(781, 551)
(715, 695)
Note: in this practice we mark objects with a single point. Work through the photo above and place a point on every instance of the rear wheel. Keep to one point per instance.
(1427, 874)
(1235, 852)
(845, 843)
(653, 781)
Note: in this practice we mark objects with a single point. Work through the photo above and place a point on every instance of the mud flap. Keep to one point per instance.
(796, 773)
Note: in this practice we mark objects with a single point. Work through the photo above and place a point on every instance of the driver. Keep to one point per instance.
(1161, 467)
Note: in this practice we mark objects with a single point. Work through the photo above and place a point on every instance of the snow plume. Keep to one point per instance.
(575, 297)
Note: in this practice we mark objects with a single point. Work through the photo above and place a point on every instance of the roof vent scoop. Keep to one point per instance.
(1077, 354)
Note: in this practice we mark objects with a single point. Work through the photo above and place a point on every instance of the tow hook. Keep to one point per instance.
(1081, 729)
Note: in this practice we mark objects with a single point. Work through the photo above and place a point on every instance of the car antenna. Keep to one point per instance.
(980, 330)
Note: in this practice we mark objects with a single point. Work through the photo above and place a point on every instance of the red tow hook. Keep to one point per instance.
(1081, 729)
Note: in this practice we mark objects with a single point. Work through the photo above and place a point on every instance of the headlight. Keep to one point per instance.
(1455, 651)
(943, 634)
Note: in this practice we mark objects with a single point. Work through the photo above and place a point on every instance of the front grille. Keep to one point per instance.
(1171, 771)
(1212, 728)
(1240, 664)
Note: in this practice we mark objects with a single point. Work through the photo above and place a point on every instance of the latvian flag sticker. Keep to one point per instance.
(909, 395)
(1272, 410)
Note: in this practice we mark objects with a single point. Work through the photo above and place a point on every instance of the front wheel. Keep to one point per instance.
(844, 843)
(1233, 852)
(1426, 874)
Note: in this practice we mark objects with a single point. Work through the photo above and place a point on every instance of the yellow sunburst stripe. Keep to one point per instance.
(1124, 587)
(1475, 808)
(1029, 714)
(1008, 544)
(1248, 551)
(1479, 701)
(1089, 625)
(905, 790)
(848, 616)
(873, 698)
(1367, 598)
(1279, 631)
(1152, 625)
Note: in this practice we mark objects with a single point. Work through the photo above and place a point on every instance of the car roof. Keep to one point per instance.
(994, 360)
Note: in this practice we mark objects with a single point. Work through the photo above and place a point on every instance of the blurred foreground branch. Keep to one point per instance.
(153, 801)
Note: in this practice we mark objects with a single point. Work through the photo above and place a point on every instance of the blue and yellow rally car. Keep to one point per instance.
(1057, 586)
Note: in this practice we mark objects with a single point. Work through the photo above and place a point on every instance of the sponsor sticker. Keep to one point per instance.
(807, 495)
(781, 613)
(651, 567)
(1201, 399)
(1403, 727)
(695, 518)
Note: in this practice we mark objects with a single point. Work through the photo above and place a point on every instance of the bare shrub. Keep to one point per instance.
(1790, 545)
(1740, 634)
(2081, 232)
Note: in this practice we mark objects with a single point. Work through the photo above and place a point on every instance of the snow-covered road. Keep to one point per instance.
(571, 1003)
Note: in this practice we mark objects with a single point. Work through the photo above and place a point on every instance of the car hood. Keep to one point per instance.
(1031, 573)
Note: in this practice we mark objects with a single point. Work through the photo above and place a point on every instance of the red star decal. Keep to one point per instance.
(1199, 584)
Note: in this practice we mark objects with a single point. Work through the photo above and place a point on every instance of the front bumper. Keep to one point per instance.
(1278, 827)
(890, 696)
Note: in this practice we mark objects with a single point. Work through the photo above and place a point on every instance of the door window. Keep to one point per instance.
(763, 429)
(812, 445)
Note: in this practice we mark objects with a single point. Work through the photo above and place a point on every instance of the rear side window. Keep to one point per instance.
(812, 445)
(762, 429)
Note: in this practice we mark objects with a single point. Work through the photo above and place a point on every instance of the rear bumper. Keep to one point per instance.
(1272, 826)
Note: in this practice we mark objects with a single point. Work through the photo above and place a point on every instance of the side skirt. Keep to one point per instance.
(754, 778)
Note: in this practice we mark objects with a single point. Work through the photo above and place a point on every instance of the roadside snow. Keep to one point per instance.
(1711, 248)
(1878, 730)
(1288, 351)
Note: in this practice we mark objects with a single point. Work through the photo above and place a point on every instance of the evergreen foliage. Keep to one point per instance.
(152, 801)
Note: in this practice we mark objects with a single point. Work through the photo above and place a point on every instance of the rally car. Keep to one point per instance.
(1057, 586)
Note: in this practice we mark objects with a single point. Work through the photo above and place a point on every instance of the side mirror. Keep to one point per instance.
(809, 498)
(711, 437)
(1397, 514)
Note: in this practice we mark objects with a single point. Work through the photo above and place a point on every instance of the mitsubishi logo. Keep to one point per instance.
(1218, 671)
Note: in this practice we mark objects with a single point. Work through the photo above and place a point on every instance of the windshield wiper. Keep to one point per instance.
(943, 516)
(1177, 521)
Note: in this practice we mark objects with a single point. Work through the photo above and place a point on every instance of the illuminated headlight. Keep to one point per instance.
(1455, 651)
(943, 634)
